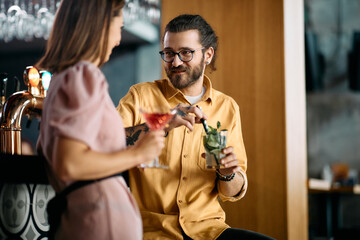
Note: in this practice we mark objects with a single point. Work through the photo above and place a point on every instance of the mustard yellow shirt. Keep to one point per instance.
(185, 195)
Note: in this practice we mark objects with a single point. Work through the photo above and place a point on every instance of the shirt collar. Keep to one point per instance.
(170, 91)
(208, 96)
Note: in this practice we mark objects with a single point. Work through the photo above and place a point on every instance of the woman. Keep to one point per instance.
(81, 134)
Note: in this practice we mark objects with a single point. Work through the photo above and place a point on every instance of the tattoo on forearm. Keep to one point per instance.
(131, 139)
(133, 133)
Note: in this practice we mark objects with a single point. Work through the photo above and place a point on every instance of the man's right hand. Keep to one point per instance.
(186, 115)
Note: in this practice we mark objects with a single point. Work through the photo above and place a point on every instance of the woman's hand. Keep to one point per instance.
(150, 145)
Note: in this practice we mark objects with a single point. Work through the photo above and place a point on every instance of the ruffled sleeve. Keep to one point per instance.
(77, 105)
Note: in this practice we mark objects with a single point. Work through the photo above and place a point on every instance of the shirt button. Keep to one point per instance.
(188, 131)
(180, 201)
(185, 155)
(182, 217)
(184, 178)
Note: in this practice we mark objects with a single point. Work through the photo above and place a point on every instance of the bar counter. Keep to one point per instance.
(22, 169)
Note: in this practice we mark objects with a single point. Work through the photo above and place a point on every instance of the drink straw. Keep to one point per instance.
(206, 127)
(204, 123)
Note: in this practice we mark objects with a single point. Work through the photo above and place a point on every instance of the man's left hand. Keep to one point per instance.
(230, 162)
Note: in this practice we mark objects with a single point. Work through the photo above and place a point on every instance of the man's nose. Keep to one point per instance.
(177, 61)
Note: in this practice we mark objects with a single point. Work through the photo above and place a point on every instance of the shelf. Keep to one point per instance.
(137, 33)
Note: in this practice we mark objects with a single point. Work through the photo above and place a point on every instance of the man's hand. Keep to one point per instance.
(230, 162)
(233, 187)
(186, 115)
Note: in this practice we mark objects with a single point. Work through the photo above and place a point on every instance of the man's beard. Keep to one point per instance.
(186, 79)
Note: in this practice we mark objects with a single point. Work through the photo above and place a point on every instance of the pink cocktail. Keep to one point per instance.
(156, 119)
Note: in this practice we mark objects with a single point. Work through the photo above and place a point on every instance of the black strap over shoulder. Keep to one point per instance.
(57, 205)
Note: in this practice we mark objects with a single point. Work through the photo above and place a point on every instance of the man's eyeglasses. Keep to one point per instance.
(185, 55)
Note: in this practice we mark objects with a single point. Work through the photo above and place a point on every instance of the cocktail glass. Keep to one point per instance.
(156, 119)
(214, 142)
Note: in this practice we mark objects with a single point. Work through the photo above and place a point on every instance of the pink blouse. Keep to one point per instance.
(78, 106)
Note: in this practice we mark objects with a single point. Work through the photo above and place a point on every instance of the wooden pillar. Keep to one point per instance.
(261, 65)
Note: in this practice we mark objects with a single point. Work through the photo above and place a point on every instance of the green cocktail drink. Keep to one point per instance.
(214, 142)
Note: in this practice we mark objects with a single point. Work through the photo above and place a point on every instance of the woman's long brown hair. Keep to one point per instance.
(80, 32)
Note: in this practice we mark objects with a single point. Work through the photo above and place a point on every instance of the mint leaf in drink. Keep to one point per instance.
(212, 140)
(212, 130)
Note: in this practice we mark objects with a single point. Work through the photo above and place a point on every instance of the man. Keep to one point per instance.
(182, 201)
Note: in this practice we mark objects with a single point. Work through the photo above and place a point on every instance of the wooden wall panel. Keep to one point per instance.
(269, 161)
(251, 69)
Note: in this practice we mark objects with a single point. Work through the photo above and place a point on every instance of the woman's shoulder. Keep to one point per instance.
(82, 72)
(79, 68)
(83, 80)
(84, 67)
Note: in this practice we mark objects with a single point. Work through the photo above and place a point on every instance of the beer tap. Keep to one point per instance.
(28, 102)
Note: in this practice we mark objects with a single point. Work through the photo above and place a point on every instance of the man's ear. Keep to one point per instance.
(209, 53)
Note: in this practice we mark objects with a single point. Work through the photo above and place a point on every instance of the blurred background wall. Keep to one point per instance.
(332, 33)
(333, 106)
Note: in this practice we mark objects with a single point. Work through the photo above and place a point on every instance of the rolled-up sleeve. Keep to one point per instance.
(240, 195)
(235, 140)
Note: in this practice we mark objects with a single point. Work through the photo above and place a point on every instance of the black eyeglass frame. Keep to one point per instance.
(162, 54)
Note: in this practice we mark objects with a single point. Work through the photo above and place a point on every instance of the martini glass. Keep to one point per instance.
(156, 119)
